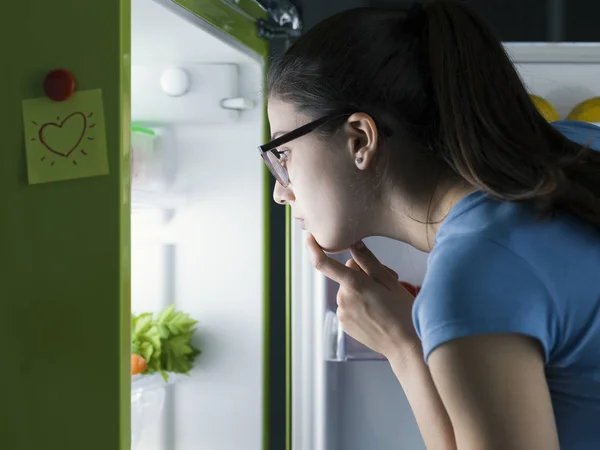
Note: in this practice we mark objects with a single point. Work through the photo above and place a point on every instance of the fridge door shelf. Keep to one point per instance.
(145, 383)
(148, 394)
(339, 347)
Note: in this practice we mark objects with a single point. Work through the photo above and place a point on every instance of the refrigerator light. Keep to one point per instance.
(175, 82)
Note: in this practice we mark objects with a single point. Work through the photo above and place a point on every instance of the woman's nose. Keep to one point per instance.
(281, 195)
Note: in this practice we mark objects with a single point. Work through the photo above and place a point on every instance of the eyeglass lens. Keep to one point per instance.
(274, 165)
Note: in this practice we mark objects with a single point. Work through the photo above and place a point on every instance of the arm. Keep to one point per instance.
(483, 392)
(478, 303)
(425, 402)
(495, 392)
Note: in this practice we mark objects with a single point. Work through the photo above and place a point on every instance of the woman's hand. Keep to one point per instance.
(376, 309)
(373, 306)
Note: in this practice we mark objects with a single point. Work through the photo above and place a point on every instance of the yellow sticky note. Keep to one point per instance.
(65, 140)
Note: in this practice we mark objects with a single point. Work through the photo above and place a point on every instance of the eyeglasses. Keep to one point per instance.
(275, 160)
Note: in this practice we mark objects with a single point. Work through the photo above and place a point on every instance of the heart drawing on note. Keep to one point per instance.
(64, 137)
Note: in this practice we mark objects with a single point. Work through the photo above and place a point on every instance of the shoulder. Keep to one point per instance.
(476, 285)
(479, 216)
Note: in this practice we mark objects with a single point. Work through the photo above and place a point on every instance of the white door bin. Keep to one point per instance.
(148, 394)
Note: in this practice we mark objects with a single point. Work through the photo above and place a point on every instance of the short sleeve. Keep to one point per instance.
(583, 133)
(476, 286)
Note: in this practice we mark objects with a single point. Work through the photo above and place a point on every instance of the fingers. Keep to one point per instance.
(353, 265)
(392, 273)
(368, 262)
(328, 266)
(363, 262)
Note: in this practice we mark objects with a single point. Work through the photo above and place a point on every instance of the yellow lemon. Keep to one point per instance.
(545, 108)
(586, 111)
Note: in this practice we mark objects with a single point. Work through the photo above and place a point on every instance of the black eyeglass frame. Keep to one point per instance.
(290, 136)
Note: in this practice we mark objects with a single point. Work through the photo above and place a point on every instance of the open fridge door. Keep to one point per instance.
(64, 237)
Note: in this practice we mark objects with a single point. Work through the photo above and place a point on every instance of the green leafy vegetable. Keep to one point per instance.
(164, 341)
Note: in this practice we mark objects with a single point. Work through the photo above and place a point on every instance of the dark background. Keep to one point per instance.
(514, 21)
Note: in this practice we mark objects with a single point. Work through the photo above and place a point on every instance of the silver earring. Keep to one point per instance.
(359, 160)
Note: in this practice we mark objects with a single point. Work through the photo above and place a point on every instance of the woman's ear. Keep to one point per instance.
(362, 137)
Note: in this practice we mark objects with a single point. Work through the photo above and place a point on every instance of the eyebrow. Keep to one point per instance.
(277, 134)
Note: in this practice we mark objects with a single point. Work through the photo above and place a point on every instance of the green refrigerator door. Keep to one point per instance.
(232, 20)
(64, 228)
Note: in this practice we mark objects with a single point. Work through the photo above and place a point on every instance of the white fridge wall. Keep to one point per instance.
(205, 256)
(208, 85)
(218, 279)
(564, 74)
(563, 85)
(360, 403)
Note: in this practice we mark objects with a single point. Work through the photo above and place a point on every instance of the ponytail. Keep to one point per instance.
(490, 132)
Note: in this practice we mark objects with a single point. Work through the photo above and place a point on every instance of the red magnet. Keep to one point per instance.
(59, 85)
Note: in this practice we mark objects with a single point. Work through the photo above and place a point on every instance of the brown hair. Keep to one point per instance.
(438, 77)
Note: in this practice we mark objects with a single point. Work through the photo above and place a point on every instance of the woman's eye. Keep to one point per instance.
(284, 155)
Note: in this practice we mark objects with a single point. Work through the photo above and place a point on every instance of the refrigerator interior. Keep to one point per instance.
(345, 396)
(197, 224)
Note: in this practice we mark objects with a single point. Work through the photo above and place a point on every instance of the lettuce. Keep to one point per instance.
(164, 341)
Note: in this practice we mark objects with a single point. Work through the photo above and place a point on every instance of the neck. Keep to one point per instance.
(418, 224)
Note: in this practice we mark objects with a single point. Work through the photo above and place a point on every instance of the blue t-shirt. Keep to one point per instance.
(495, 268)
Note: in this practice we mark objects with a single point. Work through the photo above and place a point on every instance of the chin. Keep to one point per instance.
(335, 250)
(334, 246)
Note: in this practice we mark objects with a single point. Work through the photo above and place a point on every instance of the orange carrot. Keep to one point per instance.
(138, 364)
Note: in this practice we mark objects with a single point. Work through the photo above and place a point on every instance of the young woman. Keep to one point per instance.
(415, 126)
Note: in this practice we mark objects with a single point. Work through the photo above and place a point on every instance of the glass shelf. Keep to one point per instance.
(339, 347)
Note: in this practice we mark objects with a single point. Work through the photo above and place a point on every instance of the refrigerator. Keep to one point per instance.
(176, 212)
(345, 396)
